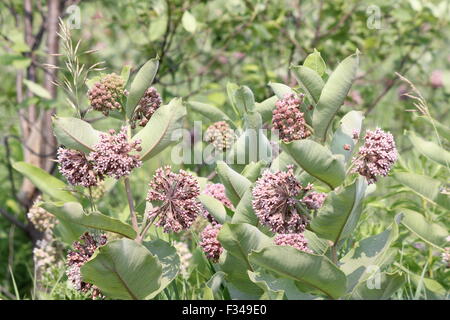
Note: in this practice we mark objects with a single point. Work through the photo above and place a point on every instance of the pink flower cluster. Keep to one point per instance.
(147, 106)
(220, 135)
(217, 191)
(275, 201)
(112, 154)
(105, 95)
(296, 240)
(288, 120)
(76, 168)
(377, 156)
(76, 258)
(178, 194)
(314, 200)
(209, 243)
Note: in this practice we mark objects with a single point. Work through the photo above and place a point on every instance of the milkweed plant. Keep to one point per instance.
(274, 219)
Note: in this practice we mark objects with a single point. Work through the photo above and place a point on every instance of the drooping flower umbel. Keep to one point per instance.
(275, 201)
(106, 94)
(377, 156)
(296, 240)
(220, 135)
(178, 194)
(147, 106)
(112, 154)
(76, 258)
(209, 243)
(288, 120)
(77, 168)
(45, 253)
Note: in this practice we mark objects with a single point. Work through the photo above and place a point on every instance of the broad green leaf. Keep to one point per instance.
(430, 150)
(428, 231)
(317, 161)
(339, 216)
(125, 73)
(72, 212)
(213, 286)
(280, 89)
(211, 112)
(380, 286)
(45, 182)
(69, 232)
(316, 244)
(266, 107)
(214, 207)
(426, 187)
(281, 162)
(142, 81)
(315, 62)
(333, 95)
(231, 92)
(161, 130)
(168, 258)
(37, 89)
(235, 184)
(241, 239)
(244, 211)
(237, 281)
(252, 145)
(310, 81)
(313, 271)
(244, 99)
(344, 134)
(252, 171)
(124, 269)
(75, 134)
(158, 27)
(277, 288)
(189, 22)
(367, 255)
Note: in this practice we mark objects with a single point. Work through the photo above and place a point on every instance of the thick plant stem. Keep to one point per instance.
(131, 206)
(334, 254)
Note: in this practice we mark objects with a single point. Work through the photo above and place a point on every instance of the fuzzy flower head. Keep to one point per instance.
(296, 240)
(106, 94)
(220, 135)
(147, 106)
(209, 243)
(112, 154)
(76, 258)
(45, 253)
(77, 168)
(377, 156)
(275, 201)
(177, 193)
(41, 219)
(288, 120)
(314, 200)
